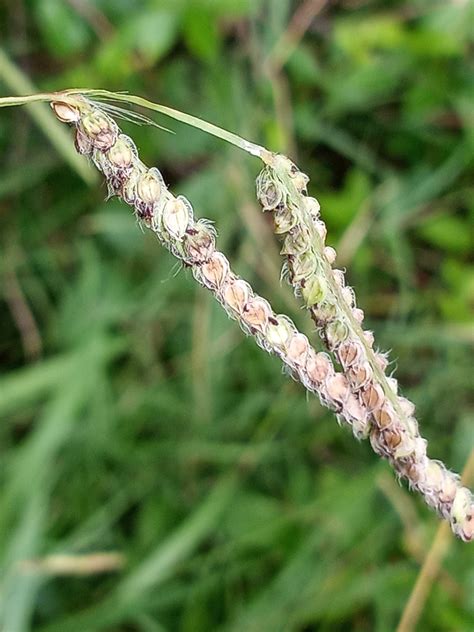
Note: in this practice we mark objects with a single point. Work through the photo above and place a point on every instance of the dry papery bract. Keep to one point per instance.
(361, 395)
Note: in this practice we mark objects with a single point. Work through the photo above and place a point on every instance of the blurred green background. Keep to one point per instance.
(136, 418)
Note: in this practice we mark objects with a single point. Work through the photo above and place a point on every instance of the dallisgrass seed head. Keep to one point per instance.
(387, 418)
(361, 395)
(194, 243)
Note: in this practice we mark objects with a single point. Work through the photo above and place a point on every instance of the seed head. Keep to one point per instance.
(281, 188)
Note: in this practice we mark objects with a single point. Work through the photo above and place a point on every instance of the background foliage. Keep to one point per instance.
(135, 417)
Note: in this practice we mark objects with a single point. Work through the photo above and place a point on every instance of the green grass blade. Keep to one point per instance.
(161, 562)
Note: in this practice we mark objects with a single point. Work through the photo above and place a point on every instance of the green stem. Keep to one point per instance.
(193, 121)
